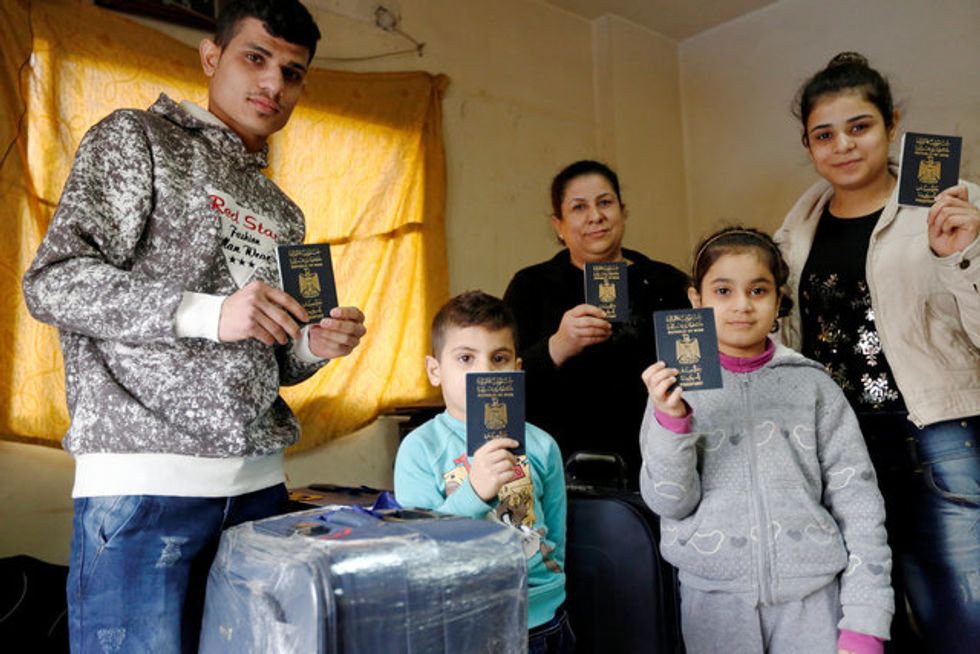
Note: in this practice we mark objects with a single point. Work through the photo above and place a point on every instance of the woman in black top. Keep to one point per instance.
(583, 373)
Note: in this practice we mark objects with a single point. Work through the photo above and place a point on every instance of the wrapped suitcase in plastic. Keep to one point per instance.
(345, 579)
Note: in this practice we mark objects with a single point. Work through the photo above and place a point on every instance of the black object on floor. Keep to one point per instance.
(33, 605)
(327, 494)
(621, 595)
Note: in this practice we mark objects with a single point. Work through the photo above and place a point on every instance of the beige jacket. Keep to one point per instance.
(927, 308)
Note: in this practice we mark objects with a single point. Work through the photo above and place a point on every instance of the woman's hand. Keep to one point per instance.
(659, 379)
(953, 222)
(580, 327)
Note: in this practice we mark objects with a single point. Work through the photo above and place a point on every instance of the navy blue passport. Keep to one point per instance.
(930, 164)
(606, 287)
(494, 408)
(306, 273)
(686, 340)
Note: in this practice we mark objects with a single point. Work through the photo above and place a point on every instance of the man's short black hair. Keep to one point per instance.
(285, 19)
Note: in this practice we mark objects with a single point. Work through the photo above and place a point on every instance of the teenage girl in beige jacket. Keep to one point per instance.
(888, 300)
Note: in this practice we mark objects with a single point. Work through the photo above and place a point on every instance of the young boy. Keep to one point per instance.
(175, 343)
(474, 332)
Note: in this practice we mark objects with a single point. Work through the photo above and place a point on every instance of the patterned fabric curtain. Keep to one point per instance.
(362, 156)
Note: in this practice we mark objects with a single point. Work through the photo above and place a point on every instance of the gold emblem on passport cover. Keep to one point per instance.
(607, 292)
(687, 350)
(495, 415)
(309, 284)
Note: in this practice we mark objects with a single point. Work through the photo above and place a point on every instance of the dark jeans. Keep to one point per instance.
(552, 637)
(139, 566)
(930, 479)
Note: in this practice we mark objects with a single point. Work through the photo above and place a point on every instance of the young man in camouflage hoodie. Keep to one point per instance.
(159, 271)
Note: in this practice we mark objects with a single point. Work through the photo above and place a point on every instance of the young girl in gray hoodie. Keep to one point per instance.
(770, 507)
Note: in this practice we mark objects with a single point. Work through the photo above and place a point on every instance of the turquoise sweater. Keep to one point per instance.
(431, 471)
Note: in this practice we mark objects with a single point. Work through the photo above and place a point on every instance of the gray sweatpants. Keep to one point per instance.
(723, 622)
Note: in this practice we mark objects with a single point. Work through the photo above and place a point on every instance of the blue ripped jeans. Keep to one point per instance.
(139, 567)
(930, 479)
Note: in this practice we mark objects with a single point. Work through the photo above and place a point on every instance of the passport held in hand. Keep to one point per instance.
(930, 164)
(306, 274)
(686, 340)
(494, 408)
(606, 287)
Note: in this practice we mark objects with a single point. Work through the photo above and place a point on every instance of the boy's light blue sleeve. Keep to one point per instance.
(554, 501)
(419, 482)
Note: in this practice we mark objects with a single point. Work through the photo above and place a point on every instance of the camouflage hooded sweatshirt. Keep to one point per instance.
(164, 210)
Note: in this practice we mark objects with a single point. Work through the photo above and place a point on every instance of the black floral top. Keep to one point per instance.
(837, 317)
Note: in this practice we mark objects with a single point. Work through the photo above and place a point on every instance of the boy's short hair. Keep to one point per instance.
(471, 309)
(285, 19)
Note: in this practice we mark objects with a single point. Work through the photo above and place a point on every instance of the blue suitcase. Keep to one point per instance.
(343, 580)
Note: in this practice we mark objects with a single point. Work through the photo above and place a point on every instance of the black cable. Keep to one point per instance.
(20, 71)
(388, 22)
(417, 50)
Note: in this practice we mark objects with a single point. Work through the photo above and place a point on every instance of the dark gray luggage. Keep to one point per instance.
(622, 596)
(33, 605)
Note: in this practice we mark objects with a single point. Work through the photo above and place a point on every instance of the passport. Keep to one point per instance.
(930, 164)
(686, 340)
(306, 273)
(606, 287)
(494, 408)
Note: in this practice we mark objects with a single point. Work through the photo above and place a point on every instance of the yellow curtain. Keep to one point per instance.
(362, 155)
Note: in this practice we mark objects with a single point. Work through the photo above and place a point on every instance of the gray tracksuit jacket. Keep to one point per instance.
(772, 494)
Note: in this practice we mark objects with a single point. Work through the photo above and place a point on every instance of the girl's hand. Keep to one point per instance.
(953, 222)
(659, 379)
(580, 327)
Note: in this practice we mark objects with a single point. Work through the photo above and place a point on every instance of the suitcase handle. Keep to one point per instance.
(596, 469)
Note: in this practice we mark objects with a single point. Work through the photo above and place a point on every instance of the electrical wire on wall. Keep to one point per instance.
(387, 21)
